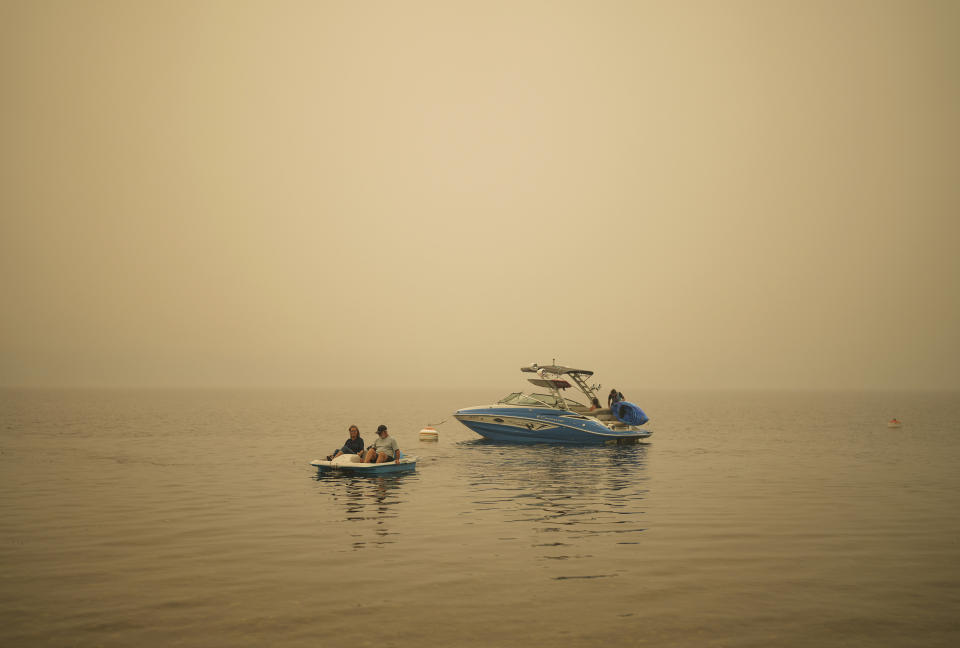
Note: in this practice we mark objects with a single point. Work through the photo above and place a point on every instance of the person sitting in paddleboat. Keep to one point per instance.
(384, 449)
(353, 445)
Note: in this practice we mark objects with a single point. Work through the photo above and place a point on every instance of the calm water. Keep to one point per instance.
(751, 519)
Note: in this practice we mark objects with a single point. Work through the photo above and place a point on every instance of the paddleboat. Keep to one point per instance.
(351, 464)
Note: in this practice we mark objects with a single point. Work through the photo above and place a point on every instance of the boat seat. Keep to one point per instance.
(603, 414)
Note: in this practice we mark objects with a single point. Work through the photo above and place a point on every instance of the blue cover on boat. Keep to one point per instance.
(629, 413)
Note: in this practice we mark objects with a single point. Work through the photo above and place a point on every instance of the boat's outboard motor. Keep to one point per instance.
(628, 413)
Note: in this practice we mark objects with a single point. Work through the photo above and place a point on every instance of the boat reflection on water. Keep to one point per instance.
(569, 500)
(367, 501)
(618, 466)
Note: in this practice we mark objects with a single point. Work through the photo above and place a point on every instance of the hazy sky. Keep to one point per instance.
(675, 194)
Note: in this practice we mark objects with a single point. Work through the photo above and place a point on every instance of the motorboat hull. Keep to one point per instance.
(539, 425)
(407, 464)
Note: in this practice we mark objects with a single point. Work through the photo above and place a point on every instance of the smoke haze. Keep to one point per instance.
(676, 195)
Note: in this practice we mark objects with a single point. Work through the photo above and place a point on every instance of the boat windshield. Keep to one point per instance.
(535, 400)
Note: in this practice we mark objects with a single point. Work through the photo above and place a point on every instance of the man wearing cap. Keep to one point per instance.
(384, 449)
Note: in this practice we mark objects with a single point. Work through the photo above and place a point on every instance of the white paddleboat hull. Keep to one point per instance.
(346, 464)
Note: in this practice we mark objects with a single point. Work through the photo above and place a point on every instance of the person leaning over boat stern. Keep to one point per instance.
(614, 397)
(384, 449)
(353, 445)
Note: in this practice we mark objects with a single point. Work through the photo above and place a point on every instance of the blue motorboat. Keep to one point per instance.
(553, 418)
(350, 464)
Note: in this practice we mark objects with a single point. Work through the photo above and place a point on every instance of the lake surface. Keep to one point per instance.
(749, 519)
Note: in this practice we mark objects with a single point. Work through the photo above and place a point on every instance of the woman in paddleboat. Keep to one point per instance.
(353, 445)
